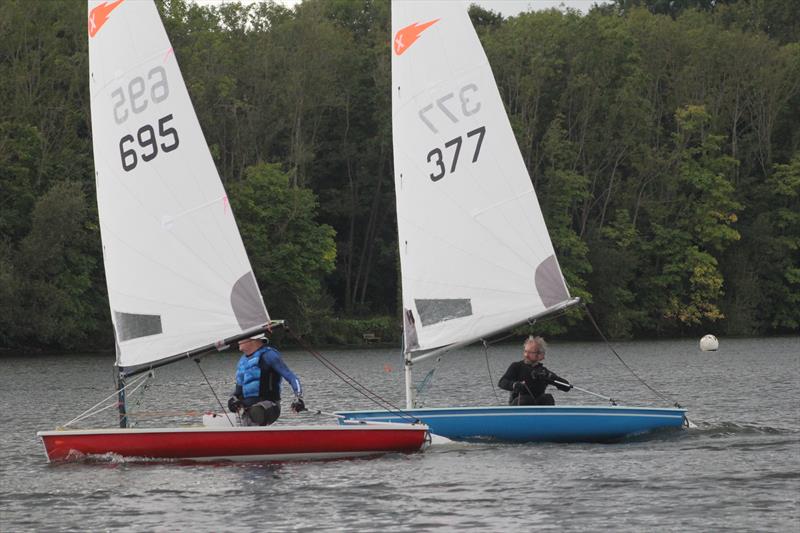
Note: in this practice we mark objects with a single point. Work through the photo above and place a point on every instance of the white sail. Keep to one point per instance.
(177, 273)
(475, 254)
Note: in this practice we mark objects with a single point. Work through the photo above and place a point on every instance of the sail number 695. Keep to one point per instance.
(146, 137)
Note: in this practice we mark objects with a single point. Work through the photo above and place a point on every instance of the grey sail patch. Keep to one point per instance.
(549, 282)
(133, 326)
(246, 302)
(435, 311)
(410, 330)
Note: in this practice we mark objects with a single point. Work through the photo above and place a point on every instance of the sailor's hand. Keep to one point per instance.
(298, 405)
(234, 403)
(519, 386)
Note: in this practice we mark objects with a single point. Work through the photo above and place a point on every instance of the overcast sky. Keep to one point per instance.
(505, 7)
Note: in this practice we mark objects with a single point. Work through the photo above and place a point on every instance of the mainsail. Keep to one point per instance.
(475, 255)
(177, 272)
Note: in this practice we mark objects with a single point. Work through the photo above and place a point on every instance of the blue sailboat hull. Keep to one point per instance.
(533, 423)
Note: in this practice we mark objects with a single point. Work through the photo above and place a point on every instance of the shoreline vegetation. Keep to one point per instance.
(286, 345)
(662, 138)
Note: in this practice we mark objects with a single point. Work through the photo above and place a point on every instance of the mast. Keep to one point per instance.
(409, 363)
(121, 406)
(120, 379)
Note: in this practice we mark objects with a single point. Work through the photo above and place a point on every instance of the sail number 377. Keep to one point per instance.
(453, 109)
(150, 139)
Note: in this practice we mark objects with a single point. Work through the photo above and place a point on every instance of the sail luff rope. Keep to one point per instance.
(350, 381)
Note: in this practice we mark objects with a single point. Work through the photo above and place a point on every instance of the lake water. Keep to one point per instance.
(739, 470)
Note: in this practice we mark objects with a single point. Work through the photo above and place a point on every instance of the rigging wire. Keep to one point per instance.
(139, 382)
(489, 369)
(162, 414)
(610, 347)
(426, 382)
(219, 402)
(138, 401)
(350, 381)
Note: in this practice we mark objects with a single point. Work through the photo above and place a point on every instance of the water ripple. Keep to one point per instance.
(739, 470)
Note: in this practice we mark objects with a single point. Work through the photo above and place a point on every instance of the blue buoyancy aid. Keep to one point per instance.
(259, 375)
(248, 374)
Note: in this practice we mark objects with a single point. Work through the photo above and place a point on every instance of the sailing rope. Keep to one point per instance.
(139, 382)
(138, 400)
(426, 382)
(350, 381)
(219, 402)
(489, 369)
(163, 414)
(610, 347)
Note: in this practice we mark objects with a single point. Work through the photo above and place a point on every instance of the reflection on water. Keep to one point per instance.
(738, 470)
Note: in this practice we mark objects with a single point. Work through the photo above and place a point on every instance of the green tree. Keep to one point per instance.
(693, 225)
(354, 175)
(54, 267)
(781, 248)
(780, 19)
(19, 160)
(9, 284)
(290, 252)
(562, 191)
(766, 295)
(640, 199)
(616, 265)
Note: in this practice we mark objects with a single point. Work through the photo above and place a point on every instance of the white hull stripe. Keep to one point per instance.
(287, 429)
(470, 415)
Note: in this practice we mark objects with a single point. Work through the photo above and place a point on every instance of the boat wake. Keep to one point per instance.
(438, 440)
(107, 458)
(725, 429)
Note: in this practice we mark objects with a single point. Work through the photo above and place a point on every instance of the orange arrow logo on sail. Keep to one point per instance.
(404, 38)
(99, 15)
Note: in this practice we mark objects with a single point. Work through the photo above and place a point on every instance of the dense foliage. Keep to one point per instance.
(663, 139)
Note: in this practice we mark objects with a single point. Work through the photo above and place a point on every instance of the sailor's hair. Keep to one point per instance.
(540, 343)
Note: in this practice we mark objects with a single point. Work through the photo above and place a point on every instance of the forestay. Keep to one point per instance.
(475, 254)
(177, 273)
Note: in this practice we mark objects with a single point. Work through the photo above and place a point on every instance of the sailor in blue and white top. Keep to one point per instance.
(257, 395)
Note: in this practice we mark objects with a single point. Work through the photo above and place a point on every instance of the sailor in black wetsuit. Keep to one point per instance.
(528, 379)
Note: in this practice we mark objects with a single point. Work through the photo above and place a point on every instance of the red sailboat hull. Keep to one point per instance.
(236, 443)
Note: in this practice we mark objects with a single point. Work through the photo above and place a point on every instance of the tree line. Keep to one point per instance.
(663, 140)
